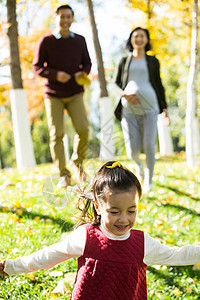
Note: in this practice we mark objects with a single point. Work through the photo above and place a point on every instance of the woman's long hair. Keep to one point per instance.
(129, 46)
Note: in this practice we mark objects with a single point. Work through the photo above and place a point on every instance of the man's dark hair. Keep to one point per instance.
(65, 6)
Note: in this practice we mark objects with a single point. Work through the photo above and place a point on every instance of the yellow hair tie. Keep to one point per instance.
(114, 165)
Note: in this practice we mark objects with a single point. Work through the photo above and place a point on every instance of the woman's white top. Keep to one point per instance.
(73, 245)
(138, 82)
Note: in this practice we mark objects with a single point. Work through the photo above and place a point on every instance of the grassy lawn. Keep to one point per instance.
(29, 220)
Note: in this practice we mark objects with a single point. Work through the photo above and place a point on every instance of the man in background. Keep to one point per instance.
(62, 57)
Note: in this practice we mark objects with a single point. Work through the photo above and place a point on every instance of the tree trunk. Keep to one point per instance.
(164, 137)
(14, 47)
(22, 136)
(107, 148)
(191, 93)
(149, 13)
(102, 80)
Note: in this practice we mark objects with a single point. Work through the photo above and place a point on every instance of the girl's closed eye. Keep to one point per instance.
(113, 212)
(132, 211)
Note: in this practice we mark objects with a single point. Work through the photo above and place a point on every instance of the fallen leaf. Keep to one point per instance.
(70, 277)
(31, 277)
(176, 292)
(196, 267)
(188, 290)
(56, 273)
(141, 206)
(60, 288)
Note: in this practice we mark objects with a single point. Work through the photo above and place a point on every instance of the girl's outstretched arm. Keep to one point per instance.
(159, 254)
(71, 246)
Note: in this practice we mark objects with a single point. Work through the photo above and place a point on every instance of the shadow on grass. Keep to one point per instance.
(177, 191)
(183, 178)
(170, 276)
(65, 225)
(188, 210)
(181, 208)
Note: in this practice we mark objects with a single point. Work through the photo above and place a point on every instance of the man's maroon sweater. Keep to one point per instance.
(69, 55)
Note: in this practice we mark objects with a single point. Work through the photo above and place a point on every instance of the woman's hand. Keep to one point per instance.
(2, 266)
(133, 98)
(166, 119)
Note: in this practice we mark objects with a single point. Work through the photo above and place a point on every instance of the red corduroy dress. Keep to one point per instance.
(111, 269)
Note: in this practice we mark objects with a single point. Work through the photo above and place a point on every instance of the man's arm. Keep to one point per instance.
(86, 61)
(40, 64)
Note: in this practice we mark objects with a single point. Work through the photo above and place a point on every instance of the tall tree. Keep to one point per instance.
(23, 142)
(107, 147)
(191, 118)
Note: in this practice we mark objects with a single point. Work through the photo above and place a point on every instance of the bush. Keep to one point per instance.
(40, 136)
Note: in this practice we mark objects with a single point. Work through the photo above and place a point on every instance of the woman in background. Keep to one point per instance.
(142, 99)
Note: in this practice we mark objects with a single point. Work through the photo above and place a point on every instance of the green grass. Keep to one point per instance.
(170, 213)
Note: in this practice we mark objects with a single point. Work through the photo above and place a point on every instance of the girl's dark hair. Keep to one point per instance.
(129, 46)
(117, 179)
(65, 6)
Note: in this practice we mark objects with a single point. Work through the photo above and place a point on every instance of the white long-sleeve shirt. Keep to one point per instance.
(73, 245)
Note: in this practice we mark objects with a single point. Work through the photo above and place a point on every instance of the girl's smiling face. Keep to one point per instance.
(119, 211)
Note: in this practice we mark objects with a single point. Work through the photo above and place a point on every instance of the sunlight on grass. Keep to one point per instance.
(169, 213)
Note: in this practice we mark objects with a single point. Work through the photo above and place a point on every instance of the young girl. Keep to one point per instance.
(112, 257)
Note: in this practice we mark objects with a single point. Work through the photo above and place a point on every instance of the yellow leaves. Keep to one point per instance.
(170, 197)
(186, 222)
(158, 223)
(21, 241)
(5, 209)
(28, 231)
(196, 267)
(168, 230)
(14, 218)
(31, 277)
(141, 206)
(19, 212)
(13, 251)
(18, 204)
(53, 211)
(169, 241)
(177, 292)
(157, 267)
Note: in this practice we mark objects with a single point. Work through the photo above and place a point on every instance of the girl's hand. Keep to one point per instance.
(2, 265)
(133, 98)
